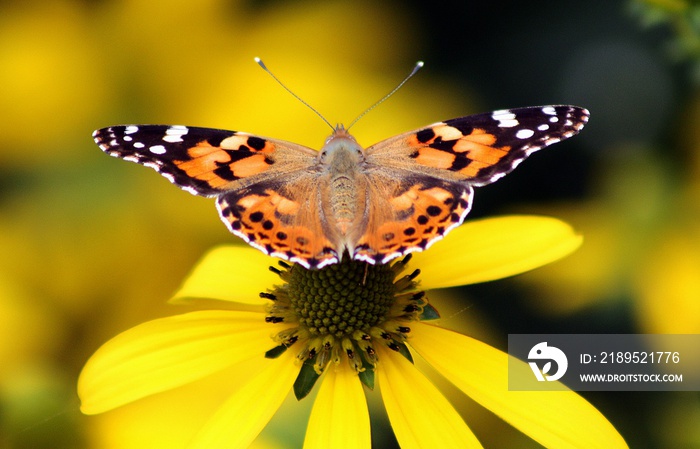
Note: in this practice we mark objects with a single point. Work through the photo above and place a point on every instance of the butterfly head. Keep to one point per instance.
(341, 149)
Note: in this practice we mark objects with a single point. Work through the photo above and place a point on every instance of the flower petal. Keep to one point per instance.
(558, 419)
(340, 417)
(230, 273)
(244, 415)
(494, 248)
(419, 414)
(168, 352)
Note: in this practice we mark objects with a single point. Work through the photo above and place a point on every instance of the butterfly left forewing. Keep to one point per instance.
(481, 148)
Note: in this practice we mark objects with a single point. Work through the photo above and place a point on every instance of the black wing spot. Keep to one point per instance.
(224, 171)
(460, 125)
(216, 140)
(459, 163)
(256, 143)
(433, 211)
(443, 145)
(425, 135)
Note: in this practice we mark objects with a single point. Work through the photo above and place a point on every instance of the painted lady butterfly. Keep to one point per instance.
(375, 204)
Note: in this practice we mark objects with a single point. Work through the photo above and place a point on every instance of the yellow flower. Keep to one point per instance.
(347, 325)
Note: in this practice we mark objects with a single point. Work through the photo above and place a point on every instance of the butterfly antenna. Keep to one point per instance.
(264, 67)
(416, 68)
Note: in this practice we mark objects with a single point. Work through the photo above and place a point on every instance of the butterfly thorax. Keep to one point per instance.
(343, 160)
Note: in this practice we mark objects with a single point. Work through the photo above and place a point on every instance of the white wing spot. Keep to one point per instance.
(549, 110)
(131, 129)
(127, 139)
(138, 145)
(505, 118)
(175, 133)
(524, 133)
(544, 127)
(157, 149)
(554, 119)
(173, 139)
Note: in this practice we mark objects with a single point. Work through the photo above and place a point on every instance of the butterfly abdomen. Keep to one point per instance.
(343, 201)
(343, 159)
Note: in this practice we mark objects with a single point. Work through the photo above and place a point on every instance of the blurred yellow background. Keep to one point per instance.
(92, 246)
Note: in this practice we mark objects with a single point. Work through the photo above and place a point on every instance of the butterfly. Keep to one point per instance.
(371, 204)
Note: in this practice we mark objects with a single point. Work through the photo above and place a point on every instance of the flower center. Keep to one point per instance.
(343, 311)
(342, 298)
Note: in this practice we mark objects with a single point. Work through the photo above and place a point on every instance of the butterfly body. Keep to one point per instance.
(343, 162)
(373, 204)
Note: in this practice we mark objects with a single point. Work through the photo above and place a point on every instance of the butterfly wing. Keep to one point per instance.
(284, 218)
(441, 163)
(264, 187)
(408, 212)
(203, 161)
(479, 149)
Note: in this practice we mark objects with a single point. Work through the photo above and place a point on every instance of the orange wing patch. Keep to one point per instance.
(236, 157)
(446, 147)
(435, 158)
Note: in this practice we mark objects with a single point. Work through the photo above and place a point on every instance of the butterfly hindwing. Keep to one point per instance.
(410, 216)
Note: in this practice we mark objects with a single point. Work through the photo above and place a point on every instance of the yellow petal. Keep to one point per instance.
(230, 273)
(168, 352)
(339, 417)
(560, 419)
(247, 412)
(419, 414)
(494, 248)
